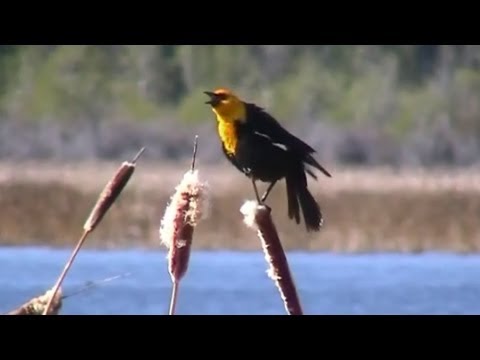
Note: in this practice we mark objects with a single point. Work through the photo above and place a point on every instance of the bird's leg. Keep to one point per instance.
(270, 187)
(256, 191)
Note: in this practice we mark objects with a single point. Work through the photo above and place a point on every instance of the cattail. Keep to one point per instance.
(188, 205)
(259, 217)
(110, 193)
(37, 305)
(105, 200)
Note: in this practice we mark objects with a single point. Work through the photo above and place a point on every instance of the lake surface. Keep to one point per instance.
(236, 282)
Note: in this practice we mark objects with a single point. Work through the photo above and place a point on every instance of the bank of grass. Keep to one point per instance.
(365, 210)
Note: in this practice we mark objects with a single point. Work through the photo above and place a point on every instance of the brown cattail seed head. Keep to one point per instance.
(259, 217)
(109, 194)
(188, 205)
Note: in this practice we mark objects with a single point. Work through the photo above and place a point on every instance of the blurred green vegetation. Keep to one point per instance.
(399, 90)
(399, 87)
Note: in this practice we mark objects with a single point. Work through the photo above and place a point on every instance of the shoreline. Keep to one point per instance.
(366, 210)
(259, 251)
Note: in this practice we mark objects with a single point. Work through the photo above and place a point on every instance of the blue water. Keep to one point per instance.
(237, 283)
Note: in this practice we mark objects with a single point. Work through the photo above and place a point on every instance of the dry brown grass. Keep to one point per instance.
(365, 210)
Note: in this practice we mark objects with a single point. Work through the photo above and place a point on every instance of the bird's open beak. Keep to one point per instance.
(213, 98)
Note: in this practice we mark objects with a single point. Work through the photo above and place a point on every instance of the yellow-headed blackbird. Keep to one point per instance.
(257, 145)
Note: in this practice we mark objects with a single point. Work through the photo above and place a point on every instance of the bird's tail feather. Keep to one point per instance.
(311, 210)
(292, 200)
(299, 197)
(311, 161)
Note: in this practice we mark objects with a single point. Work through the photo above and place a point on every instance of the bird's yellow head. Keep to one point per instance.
(226, 105)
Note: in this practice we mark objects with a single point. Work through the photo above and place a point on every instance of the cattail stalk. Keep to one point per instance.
(259, 217)
(187, 207)
(107, 197)
(38, 305)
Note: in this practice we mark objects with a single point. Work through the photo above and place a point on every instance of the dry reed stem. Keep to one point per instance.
(93, 285)
(37, 305)
(259, 217)
(107, 197)
(188, 205)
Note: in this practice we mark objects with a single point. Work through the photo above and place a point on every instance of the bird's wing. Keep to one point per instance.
(266, 125)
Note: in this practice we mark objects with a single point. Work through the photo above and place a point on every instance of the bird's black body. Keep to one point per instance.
(267, 152)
